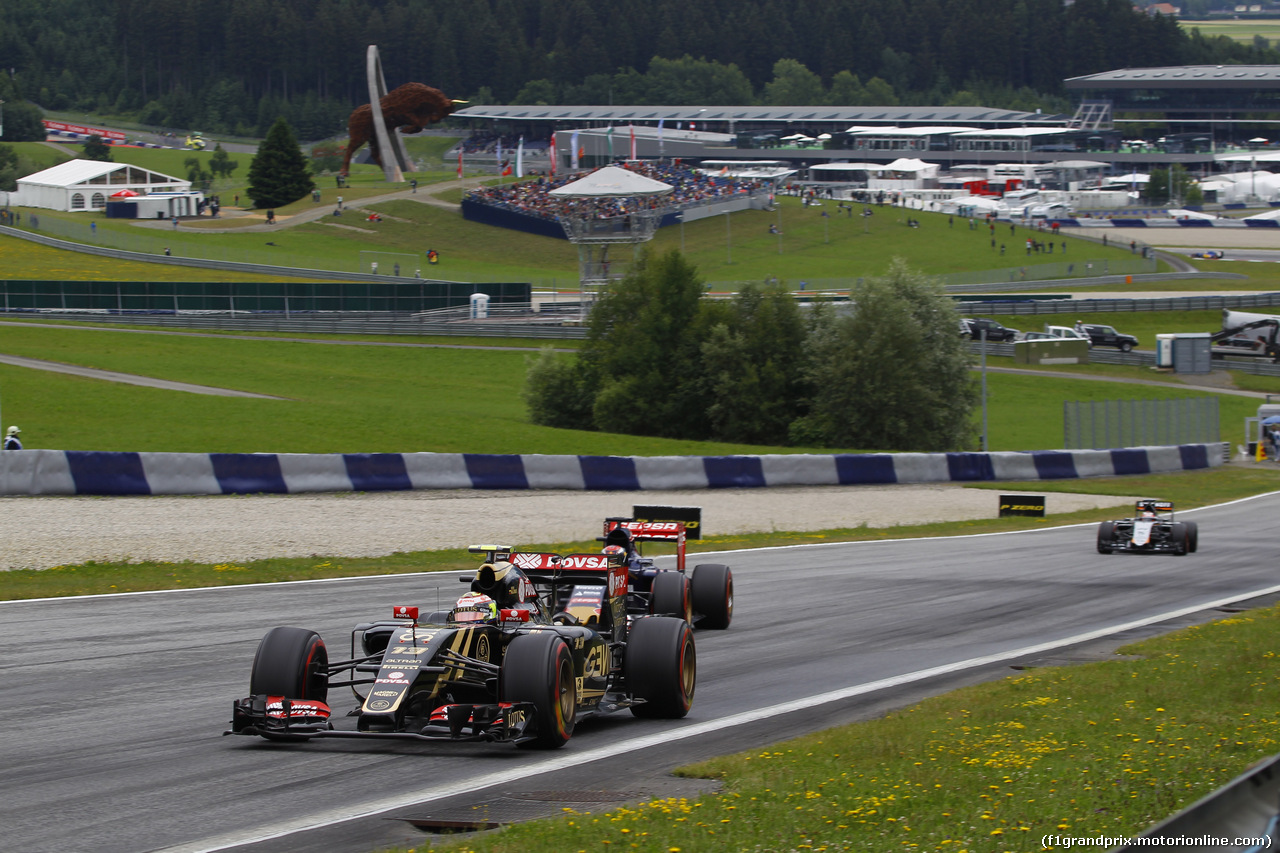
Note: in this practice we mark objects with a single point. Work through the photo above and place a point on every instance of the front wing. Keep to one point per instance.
(278, 718)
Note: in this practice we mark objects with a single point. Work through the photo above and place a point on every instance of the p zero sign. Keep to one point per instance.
(1032, 505)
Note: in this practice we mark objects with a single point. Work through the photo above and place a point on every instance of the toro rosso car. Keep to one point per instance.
(1152, 530)
(701, 596)
(540, 642)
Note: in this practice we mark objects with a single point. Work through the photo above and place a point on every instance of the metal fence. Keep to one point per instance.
(1100, 424)
(290, 297)
(1087, 306)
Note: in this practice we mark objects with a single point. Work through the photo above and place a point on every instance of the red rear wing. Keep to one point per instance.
(653, 531)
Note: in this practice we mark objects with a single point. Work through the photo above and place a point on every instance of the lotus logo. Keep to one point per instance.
(529, 561)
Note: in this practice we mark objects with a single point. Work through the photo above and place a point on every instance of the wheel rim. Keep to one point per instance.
(688, 670)
(566, 700)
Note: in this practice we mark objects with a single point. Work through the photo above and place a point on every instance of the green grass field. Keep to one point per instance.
(812, 247)
(341, 398)
(1240, 30)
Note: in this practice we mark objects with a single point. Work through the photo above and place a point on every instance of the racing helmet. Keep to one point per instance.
(615, 552)
(475, 607)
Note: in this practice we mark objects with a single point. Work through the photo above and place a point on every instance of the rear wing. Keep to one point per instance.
(651, 531)
(1153, 505)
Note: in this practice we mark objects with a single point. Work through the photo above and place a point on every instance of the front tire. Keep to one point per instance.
(293, 663)
(1106, 533)
(661, 667)
(1193, 536)
(1178, 533)
(670, 596)
(538, 669)
(711, 588)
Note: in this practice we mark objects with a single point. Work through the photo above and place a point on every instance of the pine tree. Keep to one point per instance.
(279, 173)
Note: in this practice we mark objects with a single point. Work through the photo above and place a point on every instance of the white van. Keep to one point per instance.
(1069, 333)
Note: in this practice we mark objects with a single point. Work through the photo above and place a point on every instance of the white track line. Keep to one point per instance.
(568, 758)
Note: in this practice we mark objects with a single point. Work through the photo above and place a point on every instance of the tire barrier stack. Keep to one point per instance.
(73, 472)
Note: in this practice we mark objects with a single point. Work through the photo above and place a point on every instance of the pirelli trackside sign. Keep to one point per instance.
(1032, 505)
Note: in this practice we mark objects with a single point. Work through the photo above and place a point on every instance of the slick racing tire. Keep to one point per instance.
(670, 596)
(293, 663)
(1193, 536)
(538, 669)
(1178, 535)
(661, 667)
(1106, 533)
(712, 590)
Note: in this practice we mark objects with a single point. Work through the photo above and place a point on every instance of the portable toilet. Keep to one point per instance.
(1164, 350)
(479, 306)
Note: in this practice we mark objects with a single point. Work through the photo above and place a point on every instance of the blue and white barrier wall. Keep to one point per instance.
(74, 472)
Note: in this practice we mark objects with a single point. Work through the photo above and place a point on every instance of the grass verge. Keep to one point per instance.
(1186, 490)
(1102, 749)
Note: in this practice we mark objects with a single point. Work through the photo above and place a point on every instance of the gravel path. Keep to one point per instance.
(48, 531)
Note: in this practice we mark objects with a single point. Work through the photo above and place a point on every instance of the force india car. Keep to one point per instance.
(1152, 530)
(702, 596)
(551, 644)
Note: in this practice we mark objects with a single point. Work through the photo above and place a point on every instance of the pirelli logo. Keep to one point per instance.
(1032, 505)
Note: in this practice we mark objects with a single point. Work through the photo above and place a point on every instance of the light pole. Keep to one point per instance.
(728, 239)
(982, 347)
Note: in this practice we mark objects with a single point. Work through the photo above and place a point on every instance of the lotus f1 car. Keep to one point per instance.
(1152, 530)
(540, 642)
(701, 596)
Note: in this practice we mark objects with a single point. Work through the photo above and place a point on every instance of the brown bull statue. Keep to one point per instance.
(410, 108)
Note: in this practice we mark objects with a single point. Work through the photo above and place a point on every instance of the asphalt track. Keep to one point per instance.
(114, 706)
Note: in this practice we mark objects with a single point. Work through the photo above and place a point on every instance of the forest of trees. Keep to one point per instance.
(234, 66)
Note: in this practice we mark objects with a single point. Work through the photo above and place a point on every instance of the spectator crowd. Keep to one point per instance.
(689, 186)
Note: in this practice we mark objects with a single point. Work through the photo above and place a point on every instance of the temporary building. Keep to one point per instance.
(89, 184)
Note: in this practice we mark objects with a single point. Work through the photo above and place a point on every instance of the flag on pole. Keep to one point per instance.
(608, 134)
(520, 159)
(660, 121)
(459, 161)
(574, 155)
(553, 154)
(506, 168)
(633, 142)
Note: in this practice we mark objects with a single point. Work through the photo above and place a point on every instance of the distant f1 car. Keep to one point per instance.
(1152, 530)
(1209, 254)
(540, 642)
(703, 596)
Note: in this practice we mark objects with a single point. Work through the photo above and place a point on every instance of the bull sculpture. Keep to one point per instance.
(410, 108)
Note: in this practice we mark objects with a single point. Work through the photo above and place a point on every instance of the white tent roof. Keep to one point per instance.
(97, 173)
(909, 164)
(1190, 214)
(612, 181)
(848, 167)
(1131, 178)
(1270, 214)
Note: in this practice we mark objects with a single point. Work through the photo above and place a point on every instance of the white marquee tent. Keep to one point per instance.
(89, 184)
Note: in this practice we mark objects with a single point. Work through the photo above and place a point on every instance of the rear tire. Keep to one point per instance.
(1125, 346)
(661, 667)
(1106, 533)
(293, 663)
(670, 596)
(711, 588)
(538, 668)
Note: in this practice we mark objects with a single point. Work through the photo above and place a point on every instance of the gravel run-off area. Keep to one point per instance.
(50, 531)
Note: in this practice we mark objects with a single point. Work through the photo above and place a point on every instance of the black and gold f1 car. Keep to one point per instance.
(1152, 530)
(540, 642)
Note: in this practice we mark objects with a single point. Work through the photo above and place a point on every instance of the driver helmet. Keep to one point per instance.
(475, 607)
(617, 552)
